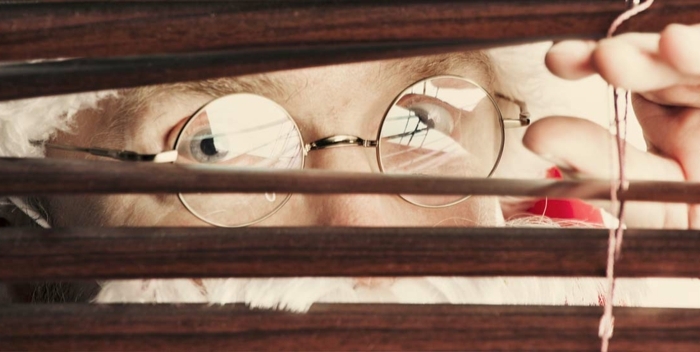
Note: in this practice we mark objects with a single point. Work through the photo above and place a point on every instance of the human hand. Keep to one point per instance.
(663, 72)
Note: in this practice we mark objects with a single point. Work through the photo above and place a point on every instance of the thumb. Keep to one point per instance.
(583, 147)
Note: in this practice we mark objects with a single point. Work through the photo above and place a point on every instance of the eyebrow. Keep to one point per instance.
(475, 65)
(262, 84)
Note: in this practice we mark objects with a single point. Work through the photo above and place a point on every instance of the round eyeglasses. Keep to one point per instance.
(446, 126)
(439, 126)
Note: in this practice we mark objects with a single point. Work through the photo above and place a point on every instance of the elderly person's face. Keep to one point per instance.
(336, 100)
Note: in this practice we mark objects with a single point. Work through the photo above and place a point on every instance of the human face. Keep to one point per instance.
(324, 101)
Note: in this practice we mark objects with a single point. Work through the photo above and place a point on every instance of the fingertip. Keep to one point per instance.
(569, 142)
(535, 135)
(543, 135)
(624, 65)
(679, 45)
(609, 57)
(571, 59)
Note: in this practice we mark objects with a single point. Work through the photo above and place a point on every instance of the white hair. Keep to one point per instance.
(298, 294)
(38, 119)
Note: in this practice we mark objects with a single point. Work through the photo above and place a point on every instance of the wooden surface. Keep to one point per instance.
(78, 75)
(43, 176)
(39, 30)
(37, 254)
(126, 44)
(341, 327)
(117, 29)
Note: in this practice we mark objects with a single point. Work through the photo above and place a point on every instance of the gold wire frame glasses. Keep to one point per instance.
(439, 126)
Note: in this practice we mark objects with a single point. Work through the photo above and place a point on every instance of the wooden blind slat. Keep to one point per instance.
(43, 176)
(58, 254)
(118, 29)
(340, 328)
(136, 43)
(215, 39)
(79, 75)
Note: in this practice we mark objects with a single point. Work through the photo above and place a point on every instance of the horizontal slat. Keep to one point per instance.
(110, 29)
(214, 39)
(341, 327)
(43, 176)
(37, 254)
(79, 75)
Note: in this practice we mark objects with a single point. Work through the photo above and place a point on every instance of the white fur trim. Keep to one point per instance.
(38, 119)
(298, 294)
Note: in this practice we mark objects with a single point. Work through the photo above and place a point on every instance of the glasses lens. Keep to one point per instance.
(239, 131)
(441, 126)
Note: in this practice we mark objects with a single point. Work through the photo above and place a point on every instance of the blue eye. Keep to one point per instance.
(207, 148)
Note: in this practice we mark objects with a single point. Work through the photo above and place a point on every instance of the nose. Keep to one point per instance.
(351, 210)
(343, 157)
(345, 209)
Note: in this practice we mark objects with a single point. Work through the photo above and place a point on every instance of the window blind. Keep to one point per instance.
(56, 47)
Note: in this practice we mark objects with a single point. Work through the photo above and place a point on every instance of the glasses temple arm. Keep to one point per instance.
(123, 155)
(523, 118)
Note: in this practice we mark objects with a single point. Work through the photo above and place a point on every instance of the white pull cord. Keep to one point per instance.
(607, 321)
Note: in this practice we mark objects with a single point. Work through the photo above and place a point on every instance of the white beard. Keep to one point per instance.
(298, 294)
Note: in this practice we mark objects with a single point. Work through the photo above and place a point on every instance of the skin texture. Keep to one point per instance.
(663, 72)
(348, 99)
(658, 67)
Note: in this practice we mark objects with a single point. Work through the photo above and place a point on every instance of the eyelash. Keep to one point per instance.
(196, 144)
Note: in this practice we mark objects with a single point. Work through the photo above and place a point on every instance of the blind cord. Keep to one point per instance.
(607, 321)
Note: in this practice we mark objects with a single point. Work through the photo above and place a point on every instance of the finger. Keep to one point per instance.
(673, 132)
(646, 42)
(583, 146)
(641, 62)
(631, 62)
(571, 59)
(679, 45)
(676, 96)
(586, 148)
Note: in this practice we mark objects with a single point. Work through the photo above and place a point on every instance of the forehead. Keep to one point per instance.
(380, 75)
(319, 98)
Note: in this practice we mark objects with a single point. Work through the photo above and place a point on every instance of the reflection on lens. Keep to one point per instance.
(242, 132)
(441, 126)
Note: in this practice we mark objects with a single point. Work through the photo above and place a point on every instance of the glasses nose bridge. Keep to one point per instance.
(341, 140)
